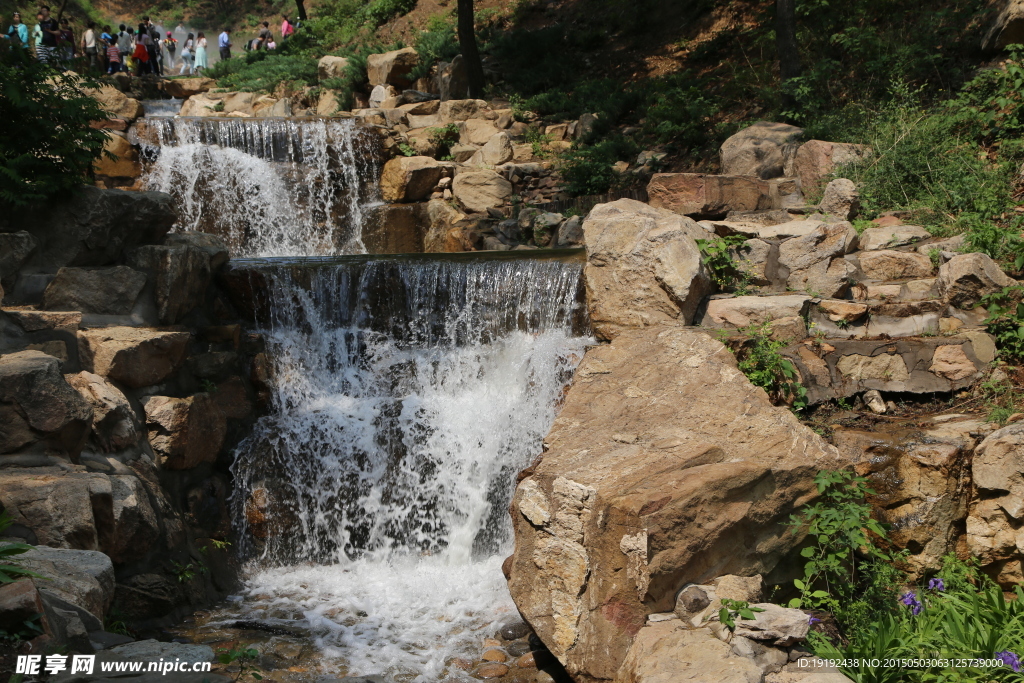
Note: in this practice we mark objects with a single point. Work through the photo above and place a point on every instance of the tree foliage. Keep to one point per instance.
(47, 146)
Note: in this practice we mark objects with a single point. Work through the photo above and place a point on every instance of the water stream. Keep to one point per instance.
(372, 503)
(268, 187)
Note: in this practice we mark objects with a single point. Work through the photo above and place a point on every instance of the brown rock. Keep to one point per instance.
(701, 194)
(666, 652)
(965, 278)
(125, 163)
(62, 509)
(951, 362)
(527, 661)
(888, 237)
(115, 102)
(743, 311)
(19, 603)
(392, 68)
(180, 275)
(409, 179)
(184, 432)
(137, 357)
(114, 422)
(34, 394)
(443, 233)
(841, 199)
(846, 311)
(476, 131)
(494, 656)
(478, 191)
(183, 88)
(749, 589)
(658, 464)
(816, 160)
(894, 265)
(461, 110)
(643, 267)
(331, 67)
(491, 670)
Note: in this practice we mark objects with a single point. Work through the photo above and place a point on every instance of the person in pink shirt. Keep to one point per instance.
(286, 27)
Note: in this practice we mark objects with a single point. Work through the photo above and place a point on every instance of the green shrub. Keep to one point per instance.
(765, 367)
(1005, 321)
(587, 170)
(47, 147)
(437, 42)
(261, 70)
(716, 255)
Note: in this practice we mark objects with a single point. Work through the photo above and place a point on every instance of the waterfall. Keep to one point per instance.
(407, 394)
(268, 187)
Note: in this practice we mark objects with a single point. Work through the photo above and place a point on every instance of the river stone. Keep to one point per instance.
(514, 630)
(666, 652)
(659, 439)
(965, 278)
(643, 267)
(491, 670)
(113, 420)
(478, 191)
(136, 357)
(36, 402)
(107, 291)
(763, 149)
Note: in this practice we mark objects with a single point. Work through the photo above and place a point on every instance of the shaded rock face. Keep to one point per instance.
(110, 291)
(665, 467)
(38, 405)
(114, 423)
(184, 432)
(180, 275)
(965, 278)
(95, 227)
(643, 267)
(994, 526)
(764, 149)
(1006, 28)
(137, 357)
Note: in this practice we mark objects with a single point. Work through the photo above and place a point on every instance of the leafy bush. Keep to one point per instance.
(760, 360)
(1005, 321)
(261, 70)
(47, 147)
(437, 42)
(716, 255)
(588, 170)
(9, 570)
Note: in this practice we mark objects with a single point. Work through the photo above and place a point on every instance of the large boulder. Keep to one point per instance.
(136, 527)
(817, 159)
(965, 278)
(815, 261)
(60, 509)
(331, 67)
(993, 526)
(664, 467)
(874, 239)
(668, 652)
(1006, 28)
(180, 275)
(452, 79)
(75, 579)
(213, 245)
(476, 131)
(478, 191)
(742, 311)
(887, 264)
(699, 194)
(37, 404)
(114, 423)
(841, 199)
(136, 357)
(643, 267)
(108, 291)
(495, 152)
(763, 149)
(461, 110)
(94, 227)
(15, 249)
(184, 432)
(410, 179)
(392, 68)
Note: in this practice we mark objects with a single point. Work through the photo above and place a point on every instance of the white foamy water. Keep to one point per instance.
(373, 501)
(268, 187)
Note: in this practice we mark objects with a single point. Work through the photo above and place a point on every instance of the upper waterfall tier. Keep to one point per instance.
(268, 187)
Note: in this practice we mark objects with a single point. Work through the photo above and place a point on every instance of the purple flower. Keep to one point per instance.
(811, 621)
(1009, 659)
(910, 600)
(936, 585)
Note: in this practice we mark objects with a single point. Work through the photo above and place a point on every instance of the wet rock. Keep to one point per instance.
(478, 191)
(137, 357)
(514, 630)
(154, 650)
(623, 455)
(526, 661)
(37, 403)
(494, 656)
(114, 422)
(184, 432)
(965, 278)
(213, 245)
(763, 149)
(491, 670)
(518, 648)
(107, 291)
(643, 267)
(410, 179)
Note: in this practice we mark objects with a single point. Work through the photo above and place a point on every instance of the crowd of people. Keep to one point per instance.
(142, 50)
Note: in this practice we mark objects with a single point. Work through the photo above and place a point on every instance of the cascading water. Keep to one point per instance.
(408, 393)
(268, 187)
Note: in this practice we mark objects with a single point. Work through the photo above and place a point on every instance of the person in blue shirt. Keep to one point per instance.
(17, 32)
(224, 43)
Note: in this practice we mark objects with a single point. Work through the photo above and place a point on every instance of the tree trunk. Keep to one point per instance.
(300, 7)
(786, 46)
(470, 53)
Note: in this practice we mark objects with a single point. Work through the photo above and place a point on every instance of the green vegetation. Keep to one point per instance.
(9, 569)
(717, 256)
(760, 360)
(47, 147)
(243, 656)
(1005, 321)
(733, 609)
